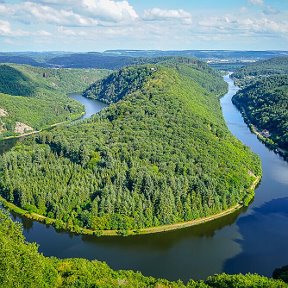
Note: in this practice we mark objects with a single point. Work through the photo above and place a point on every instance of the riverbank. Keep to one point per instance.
(267, 141)
(151, 230)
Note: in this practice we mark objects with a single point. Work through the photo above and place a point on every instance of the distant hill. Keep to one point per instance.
(116, 59)
(91, 60)
(200, 54)
(115, 87)
(20, 60)
(274, 66)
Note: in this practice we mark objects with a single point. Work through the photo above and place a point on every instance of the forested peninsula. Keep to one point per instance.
(264, 101)
(159, 154)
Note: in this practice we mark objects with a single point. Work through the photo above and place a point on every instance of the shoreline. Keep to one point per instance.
(274, 147)
(151, 230)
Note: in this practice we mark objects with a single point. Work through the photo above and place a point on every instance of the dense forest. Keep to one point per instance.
(264, 100)
(266, 106)
(251, 73)
(22, 266)
(36, 97)
(159, 154)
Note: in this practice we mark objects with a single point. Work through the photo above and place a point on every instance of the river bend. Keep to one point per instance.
(250, 240)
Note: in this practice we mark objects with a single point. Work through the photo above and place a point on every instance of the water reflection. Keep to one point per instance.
(268, 249)
(91, 106)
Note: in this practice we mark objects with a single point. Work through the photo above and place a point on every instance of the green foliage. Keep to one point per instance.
(47, 88)
(266, 106)
(161, 155)
(38, 112)
(243, 281)
(21, 265)
(61, 79)
(118, 84)
(265, 68)
(14, 82)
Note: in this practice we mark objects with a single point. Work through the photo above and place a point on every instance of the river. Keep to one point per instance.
(250, 240)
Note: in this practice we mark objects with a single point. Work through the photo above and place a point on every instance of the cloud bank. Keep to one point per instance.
(104, 24)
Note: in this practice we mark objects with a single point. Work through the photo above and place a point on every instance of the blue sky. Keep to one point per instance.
(97, 25)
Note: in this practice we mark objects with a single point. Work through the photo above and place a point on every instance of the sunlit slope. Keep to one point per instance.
(35, 98)
(159, 154)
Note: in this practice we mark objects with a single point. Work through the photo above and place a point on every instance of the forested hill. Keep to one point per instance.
(128, 80)
(23, 266)
(161, 155)
(273, 66)
(264, 99)
(119, 84)
(33, 98)
(266, 106)
(14, 82)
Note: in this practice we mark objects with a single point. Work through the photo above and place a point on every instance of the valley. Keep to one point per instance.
(216, 227)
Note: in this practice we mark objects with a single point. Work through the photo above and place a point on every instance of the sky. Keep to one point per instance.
(98, 25)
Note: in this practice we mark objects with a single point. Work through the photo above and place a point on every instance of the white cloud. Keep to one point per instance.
(101, 10)
(249, 25)
(108, 10)
(257, 2)
(157, 14)
(5, 28)
(29, 12)
(99, 24)
(4, 9)
(71, 12)
(43, 33)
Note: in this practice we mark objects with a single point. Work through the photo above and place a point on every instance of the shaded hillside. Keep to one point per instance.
(65, 80)
(17, 59)
(264, 99)
(91, 60)
(161, 155)
(14, 82)
(119, 84)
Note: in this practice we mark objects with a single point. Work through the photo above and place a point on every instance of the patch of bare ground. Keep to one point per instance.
(22, 128)
(3, 113)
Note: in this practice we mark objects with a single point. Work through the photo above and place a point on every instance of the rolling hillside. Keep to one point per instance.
(159, 154)
(33, 98)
